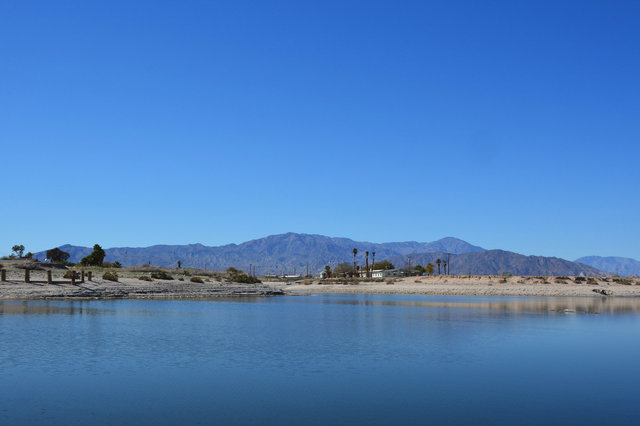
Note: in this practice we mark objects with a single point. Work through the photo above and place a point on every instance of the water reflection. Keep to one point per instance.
(587, 305)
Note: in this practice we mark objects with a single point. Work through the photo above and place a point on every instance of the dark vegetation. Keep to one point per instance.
(96, 258)
(57, 256)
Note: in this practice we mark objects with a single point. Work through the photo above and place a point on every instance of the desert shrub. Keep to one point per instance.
(71, 274)
(559, 281)
(563, 278)
(591, 280)
(580, 279)
(237, 276)
(145, 278)
(503, 281)
(624, 281)
(390, 281)
(161, 275)
(110, 276)
(197, 280)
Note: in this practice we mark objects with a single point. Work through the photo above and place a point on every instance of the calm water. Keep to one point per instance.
(326, 359)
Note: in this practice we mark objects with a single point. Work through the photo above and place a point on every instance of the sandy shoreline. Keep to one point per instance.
(130, 287)
(477, 286)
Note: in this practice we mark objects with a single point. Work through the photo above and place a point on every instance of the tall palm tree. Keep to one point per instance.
(355, 252)
(367, 263)
(444, 265)
(438, 261)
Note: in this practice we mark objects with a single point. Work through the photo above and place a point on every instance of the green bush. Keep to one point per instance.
(145, 278)
(161, 275)
(197, 280)
(110, 276)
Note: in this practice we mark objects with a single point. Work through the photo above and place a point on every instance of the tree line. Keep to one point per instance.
(344, 269)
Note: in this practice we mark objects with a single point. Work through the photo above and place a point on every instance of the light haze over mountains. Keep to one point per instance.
(293, 253)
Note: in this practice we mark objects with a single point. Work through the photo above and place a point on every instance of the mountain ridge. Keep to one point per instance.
(295, 253)
(624, 266)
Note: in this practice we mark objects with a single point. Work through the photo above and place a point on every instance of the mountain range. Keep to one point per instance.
(294, 253)
(622, 266)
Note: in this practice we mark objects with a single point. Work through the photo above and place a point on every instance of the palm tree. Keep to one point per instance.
(444, 265)
(373, 259)
(438, 261)
(355, 252)
(367, 263)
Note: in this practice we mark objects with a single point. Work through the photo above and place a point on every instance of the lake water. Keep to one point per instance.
(322, 359)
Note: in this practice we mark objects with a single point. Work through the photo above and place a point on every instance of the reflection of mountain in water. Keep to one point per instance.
(581, 305)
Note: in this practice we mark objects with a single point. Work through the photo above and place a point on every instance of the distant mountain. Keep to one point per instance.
(293, 253)
(497, 262)
(623, 266)
(445, 245)
(289, 253)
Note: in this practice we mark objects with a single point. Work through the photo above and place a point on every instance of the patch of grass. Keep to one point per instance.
(197, 280)
(580, 279)
(145, 278)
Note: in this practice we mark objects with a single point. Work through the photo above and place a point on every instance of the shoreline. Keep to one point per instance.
(133, 288)
(99, 289)
(477, 286)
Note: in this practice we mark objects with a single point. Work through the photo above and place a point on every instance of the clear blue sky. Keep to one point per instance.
(512, 125)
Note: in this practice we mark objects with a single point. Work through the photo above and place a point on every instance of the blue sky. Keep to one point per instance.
(511, 125)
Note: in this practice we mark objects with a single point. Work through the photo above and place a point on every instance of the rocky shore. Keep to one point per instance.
(129, 288)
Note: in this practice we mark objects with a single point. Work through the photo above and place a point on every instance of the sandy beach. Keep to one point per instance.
(479, 286)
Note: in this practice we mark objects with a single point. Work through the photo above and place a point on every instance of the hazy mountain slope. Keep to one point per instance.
(444, 245)
(496, 262)
(623, 266)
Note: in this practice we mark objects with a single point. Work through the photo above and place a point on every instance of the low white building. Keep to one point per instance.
(384, 273)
